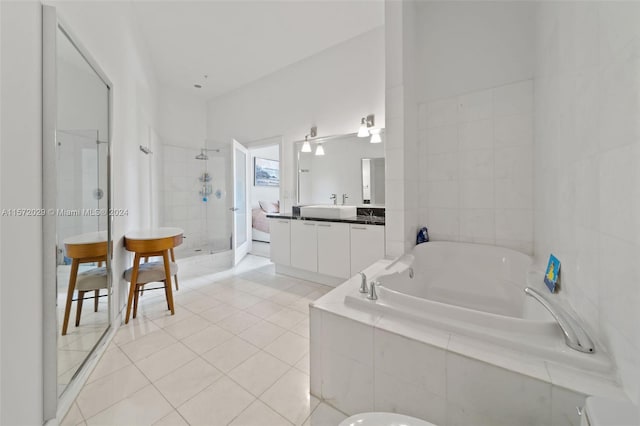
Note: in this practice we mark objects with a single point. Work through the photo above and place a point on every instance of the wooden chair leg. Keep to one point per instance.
(79, 306)
(135, 302)
(72, 287)
(167, 274)
(173, 259)
(96, 295)
(132, 287)
(166, 293)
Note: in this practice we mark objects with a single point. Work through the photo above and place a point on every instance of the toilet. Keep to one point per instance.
(598, 411)
(383, 419)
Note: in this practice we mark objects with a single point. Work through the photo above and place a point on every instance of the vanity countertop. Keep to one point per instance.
(360, 219)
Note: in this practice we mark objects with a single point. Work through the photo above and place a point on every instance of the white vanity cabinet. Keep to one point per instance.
(367, 246)
(280, 230)
(304, 245)
(333, 249)
(324, 251)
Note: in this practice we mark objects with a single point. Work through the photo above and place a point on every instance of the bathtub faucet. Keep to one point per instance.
(372, 291)
(574, 335)
(363, 283)
(410, 272)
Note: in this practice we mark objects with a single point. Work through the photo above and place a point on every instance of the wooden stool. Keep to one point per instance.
(150, 272)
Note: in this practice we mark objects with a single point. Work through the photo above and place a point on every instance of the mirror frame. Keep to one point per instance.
(52, 404)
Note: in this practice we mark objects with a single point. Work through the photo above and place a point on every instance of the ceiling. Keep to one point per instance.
(237, 42)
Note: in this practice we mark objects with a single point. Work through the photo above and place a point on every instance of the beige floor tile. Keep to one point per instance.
(219, 313)
(73, 416)
(172, 419)
(216, 405)
(325, 415)
(285, 298)
(304, 364)
(289, 347)
(187, 327)
(287, 318)
(207, 339)
(112, 360)
(239, 322)
(290, 397)
(202, 303)
(259, 414)
(187, 381)
(144, 407)
(259, 372)
(147, 345)
(108, 390)
(265, 309)
(165, 361)
(166, 319)
(262, 333)
(302, 328)
(230, 354)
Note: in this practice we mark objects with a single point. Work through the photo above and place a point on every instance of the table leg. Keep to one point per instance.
(132, 286)
(79, 306)
(173, 259)
(167, 274)
(72, 287)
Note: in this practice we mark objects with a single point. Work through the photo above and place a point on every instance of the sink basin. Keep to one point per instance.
(328, 211)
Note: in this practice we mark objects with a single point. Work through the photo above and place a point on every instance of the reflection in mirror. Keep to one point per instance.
(373, 180)
(340, 171)
(82, 200)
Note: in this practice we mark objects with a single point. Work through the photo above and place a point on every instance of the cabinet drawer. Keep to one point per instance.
(333, 249)
(280, 231)
(304, 245)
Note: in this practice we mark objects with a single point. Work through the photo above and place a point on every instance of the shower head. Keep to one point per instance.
(202, 156)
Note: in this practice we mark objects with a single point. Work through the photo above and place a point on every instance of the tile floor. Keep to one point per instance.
(236, 352)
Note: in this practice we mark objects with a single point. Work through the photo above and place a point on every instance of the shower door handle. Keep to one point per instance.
(234, 209)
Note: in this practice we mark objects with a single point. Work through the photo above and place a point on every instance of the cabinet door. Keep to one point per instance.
(280, 241)
(333, 249)
(367, 246)
(304, 245)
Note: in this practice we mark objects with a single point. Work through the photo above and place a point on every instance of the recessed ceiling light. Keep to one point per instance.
(197, 86)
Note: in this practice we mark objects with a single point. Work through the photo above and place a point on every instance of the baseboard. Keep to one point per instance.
(309, 276)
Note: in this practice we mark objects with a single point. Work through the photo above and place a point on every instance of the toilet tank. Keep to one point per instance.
(600, 411)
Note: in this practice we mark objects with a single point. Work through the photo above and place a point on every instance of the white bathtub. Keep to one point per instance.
(477, 291)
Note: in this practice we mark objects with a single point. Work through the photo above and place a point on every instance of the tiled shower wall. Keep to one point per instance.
(476, 167)
(206, 224)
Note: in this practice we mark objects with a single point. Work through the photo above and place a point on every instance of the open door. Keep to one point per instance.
(240, 209)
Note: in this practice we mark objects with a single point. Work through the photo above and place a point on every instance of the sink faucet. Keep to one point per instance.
(344, 199)
(363, 283)
(334, 197)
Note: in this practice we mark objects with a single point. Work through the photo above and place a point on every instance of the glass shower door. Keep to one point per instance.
(240, 208)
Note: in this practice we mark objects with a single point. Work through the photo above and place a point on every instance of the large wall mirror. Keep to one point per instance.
(350, 165)
(76, 149)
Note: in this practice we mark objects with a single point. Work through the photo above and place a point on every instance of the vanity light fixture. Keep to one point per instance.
(375, 136)
(306, 146)
(365, 124)
(319, 149)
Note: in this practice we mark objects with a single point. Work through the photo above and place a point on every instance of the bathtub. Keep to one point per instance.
(451, 318)
(476, 290)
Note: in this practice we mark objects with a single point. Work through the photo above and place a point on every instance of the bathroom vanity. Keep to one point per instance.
(326, 250)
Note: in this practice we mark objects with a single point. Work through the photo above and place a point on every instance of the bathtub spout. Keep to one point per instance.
(574, 335)
(410, 272)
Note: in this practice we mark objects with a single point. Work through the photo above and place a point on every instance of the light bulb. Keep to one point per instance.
(319, 150)
(363, 132)
(306, 147)
(375, 136)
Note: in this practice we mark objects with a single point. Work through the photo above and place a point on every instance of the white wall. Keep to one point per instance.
(587, 157)
(332, 89)
(263, 193)
(475, 99)
(182, 118)
(21, 323)
(109, 34)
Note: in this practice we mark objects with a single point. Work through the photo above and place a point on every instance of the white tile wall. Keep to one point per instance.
(476, 166)
(587, 157)
(207, 225)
